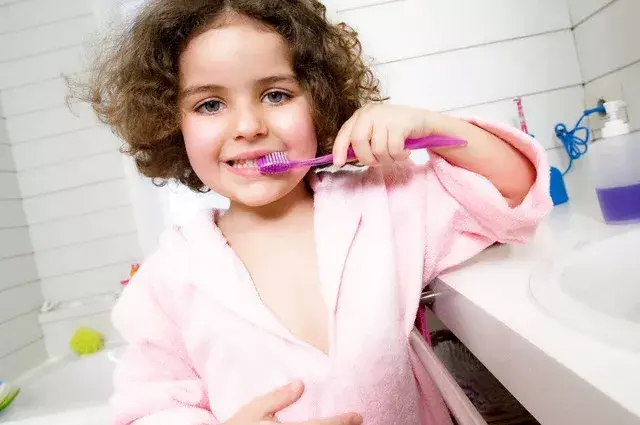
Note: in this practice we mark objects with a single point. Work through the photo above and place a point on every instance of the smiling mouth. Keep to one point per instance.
(243, 163)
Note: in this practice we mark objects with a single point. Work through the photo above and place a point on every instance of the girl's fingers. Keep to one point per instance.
(342, 141)
(380, 144)
(268, 405)
(361, 139)
(396, 147)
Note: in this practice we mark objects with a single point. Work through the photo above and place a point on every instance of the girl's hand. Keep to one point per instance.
(263, 410)
(377, 133)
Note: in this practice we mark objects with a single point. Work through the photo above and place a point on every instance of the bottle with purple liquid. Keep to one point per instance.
(615, 166)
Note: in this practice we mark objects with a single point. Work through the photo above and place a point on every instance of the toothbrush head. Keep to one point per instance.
(274, 163)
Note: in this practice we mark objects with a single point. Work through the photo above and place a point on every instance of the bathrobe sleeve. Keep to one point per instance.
(465, 213)
(155, 382)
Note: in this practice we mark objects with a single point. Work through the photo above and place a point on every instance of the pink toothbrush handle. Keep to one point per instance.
(411, 144)
(422, 143)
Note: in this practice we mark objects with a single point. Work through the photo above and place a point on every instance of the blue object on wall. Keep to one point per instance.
(557, 188)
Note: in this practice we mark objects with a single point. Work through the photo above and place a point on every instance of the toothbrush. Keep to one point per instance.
(278, 163)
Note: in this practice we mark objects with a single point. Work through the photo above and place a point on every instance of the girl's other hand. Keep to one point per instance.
(263, 410)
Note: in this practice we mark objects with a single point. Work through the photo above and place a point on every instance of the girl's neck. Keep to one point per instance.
(298, 201)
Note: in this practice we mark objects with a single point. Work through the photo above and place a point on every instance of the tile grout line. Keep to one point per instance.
(523, 95)
(592, 14)
(69, 189)
(48, 136)
(77, 216)
(90, 269)
(20, 316)
(45, 80)
(35, 341)
(42, 53)
(474, 46)
(66, 162)
(100, 239)
(613, 71)
(34, 252)
(366, 6)
(30, 27)
(18, 285)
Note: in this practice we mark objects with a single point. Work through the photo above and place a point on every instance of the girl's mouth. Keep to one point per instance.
(243, 163)
(244, 168)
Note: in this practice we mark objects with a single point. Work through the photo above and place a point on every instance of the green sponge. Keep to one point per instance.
(86, 341)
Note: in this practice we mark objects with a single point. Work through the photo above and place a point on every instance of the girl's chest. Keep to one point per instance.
(295, 306)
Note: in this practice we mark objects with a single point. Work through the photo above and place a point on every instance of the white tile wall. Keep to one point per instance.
(18, 333)
(33, 97)
(65, 147)
(84, 284)
(410, 28)
(87, 255)
(34, 13)
(51, 122)
(469, 57)
(45, 38)
(12, 214)
(609, 40)
(69, 186)
(19, 300)
(17, 270)
(345, 5)
(6, 160)
(467, 77)
(9, 186)
(543, 111)
(83, 228)
(71, 174)
(78, 201)
(43, 67)
(15, 242)
(4, 139)
(12, 366)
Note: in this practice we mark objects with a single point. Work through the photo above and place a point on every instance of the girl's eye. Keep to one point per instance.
(276, 97)
(210, 107)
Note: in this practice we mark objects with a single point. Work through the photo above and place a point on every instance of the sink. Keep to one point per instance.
(594, 287)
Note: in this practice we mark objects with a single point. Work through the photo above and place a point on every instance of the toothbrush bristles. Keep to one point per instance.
(274, 163)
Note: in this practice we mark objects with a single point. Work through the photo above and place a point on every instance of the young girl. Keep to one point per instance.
(294, 305)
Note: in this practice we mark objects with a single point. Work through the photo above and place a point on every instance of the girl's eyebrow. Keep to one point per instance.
(207, 88)
(281, 78)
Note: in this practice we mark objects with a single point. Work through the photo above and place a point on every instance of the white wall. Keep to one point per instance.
(21, 339)
(607, 34)
(473, 57)
(75, 195)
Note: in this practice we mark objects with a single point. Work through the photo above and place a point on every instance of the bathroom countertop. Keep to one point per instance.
(562, 376)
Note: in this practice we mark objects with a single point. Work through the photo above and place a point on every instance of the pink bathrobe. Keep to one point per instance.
(201, 343)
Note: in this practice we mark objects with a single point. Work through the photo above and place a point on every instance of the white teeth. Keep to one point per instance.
(244, 164)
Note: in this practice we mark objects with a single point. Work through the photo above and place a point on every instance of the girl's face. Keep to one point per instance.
(239, 101)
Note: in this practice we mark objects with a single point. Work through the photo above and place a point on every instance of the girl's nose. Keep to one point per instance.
(250, 123)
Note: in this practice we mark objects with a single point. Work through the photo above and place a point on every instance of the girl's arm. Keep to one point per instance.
(511, 172)
(155, 382)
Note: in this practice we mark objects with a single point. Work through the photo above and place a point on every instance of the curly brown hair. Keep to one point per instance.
(134, 83)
